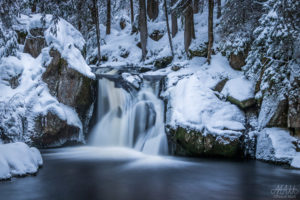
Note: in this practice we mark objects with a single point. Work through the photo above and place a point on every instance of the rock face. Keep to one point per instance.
(279, 117)
(194, 143)
(50, 129)
(237, 61)
(69, 86)
(294, 105)
(35, 42)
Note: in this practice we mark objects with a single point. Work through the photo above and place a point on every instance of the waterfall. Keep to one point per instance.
(133, 120)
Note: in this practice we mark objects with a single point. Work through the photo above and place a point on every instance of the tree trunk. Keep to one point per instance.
(108, 17)
(152, 9)
(143, 27)
(196, 6)
(219, 12)
(201, 6)
(174, 20)
(96, 22)
(168, 28)
(132, 13)
(193, 26)
(210, 29)
(189, 31)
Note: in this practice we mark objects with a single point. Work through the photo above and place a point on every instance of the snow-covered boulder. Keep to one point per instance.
(240, 92)
(17, 159)
(198, 121)
(276, 145)
(48, 93)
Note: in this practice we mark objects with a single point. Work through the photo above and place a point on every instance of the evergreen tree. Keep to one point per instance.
(274, 51)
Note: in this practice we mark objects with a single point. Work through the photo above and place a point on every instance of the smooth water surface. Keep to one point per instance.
(120, 173)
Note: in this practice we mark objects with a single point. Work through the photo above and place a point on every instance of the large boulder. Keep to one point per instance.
(51, 130)
(68, 85)
(194, 143)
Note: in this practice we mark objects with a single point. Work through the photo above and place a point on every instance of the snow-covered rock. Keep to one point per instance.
(276, 145)
(239, 91)
(17, 159)
(197, 117)
(134, 80)
(46, 96)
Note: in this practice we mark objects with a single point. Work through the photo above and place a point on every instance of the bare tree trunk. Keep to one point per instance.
(174, 20)
(143, 27)
(152, 9)
(79, 7)
(132, 13)
(168, 27)
(219, 12)
(193, 26)
(210, 29)
(108, 17)
(96, 22)
(196, 6)
(201, 6)
(189, 30)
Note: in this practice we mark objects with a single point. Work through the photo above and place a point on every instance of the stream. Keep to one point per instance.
(122, 173)
(127, 158)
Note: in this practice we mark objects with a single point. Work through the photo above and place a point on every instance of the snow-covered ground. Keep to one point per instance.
(17, 159)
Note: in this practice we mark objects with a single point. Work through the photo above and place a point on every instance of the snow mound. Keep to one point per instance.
(239, 88)
(17, 159)
(275, 144)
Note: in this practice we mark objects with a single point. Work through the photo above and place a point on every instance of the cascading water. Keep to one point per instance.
(130, 120)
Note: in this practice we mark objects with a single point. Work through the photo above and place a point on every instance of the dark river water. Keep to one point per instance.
(115, 173)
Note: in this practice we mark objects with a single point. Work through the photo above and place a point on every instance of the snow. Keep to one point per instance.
(17, 159)
(275, 144)
(239, 88)
(192, 102)
(296, 161)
